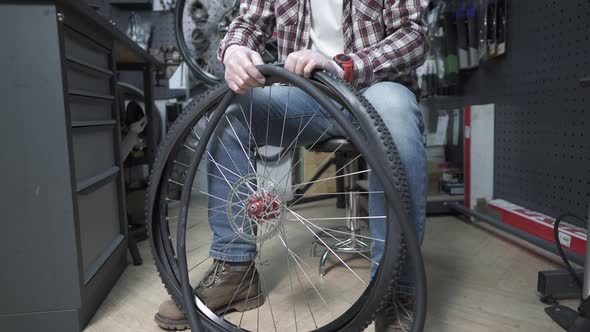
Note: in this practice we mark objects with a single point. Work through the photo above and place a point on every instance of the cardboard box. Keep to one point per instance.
(312, 162)
(434, 176)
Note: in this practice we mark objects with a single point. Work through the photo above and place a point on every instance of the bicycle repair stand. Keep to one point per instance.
(568, 318)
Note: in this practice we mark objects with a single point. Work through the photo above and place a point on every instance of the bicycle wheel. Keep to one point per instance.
(199, 27)
(346, 298)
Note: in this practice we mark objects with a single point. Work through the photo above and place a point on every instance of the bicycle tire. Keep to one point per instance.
(384, 147)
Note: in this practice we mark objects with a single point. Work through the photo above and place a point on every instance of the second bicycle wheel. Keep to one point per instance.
(199, 27)
(236, 234)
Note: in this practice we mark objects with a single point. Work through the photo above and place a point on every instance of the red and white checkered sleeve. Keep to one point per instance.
(251, 28)
(404, 48)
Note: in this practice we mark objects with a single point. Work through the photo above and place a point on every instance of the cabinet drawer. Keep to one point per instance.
(90, 109)
(82, 48)
(94, 150)
(99, 224)
(81, 78)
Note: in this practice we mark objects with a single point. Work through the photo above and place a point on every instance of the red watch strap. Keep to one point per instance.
(347, 64)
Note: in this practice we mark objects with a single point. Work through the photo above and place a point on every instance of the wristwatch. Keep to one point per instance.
(345, 62)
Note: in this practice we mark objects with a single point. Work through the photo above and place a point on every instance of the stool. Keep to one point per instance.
(350, 243)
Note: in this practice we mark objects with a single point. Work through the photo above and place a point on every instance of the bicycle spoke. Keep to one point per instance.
(198, 264)
(251, 136)
(237, 289)
(342, 232)
(289, 173)
(342, 218)
(241, 145)
(265, 288)
(248, 296)
(284, 122)
(337, 239)
(219, 166)
(308, 305)
(328, 247)
(333, 177)
(299, 133)
(319, 139)
(230, 158)
(343, 193)
(268, 117)
(250, 184)
(207, 244)
(325, 179)
(295, 257)
(249, 123)
(198, 170)
(284, 233)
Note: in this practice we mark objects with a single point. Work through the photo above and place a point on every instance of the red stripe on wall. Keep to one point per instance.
(541, 228)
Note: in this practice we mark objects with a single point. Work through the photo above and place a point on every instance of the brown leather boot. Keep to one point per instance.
(170, 318)
(230, 287)
(397, 316)
(226, 287)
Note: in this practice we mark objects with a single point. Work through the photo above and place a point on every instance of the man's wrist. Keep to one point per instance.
(229, 50)
(346, 63)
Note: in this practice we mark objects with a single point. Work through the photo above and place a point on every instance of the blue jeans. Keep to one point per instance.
(231, 151)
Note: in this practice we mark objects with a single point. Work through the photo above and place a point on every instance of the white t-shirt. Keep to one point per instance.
(326, 34)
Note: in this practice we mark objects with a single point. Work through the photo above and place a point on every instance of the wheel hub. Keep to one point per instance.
(263, 207)
(254, 208)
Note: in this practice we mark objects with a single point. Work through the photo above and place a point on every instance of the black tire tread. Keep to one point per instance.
(401, 186)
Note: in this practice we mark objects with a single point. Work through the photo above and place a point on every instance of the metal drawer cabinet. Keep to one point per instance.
(94, 151)
(64, 223)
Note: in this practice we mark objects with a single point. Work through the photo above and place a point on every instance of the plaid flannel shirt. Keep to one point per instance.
(385, 38)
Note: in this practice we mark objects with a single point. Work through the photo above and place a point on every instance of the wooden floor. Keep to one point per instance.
(478, 280)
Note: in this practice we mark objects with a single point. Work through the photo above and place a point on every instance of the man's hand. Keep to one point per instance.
(241, 74)
(305, 62)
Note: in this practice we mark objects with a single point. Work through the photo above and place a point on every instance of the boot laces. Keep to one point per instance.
(212, 274)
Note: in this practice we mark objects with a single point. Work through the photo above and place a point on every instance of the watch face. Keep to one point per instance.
(343, 58)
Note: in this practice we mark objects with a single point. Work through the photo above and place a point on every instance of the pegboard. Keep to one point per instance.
(163, 32)
(542, 128)
(162, 23)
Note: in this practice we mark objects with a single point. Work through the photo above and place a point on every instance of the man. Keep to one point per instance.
(373, 44)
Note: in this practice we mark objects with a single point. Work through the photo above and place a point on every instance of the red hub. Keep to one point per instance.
(263, 207)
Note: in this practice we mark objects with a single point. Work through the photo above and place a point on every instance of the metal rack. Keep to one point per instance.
(542, 138)
(542, 145)
(542, 117)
